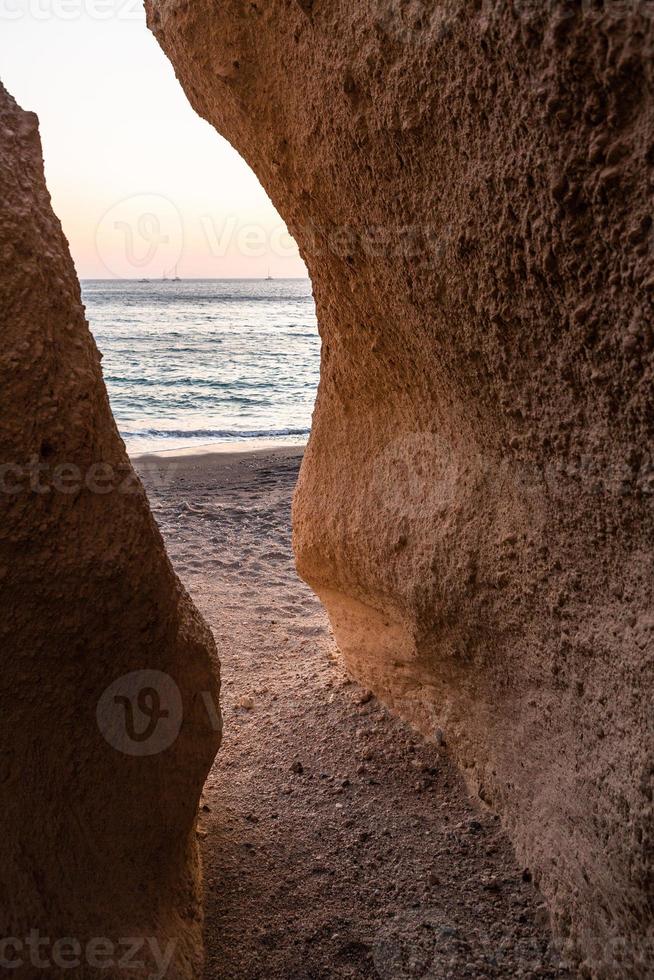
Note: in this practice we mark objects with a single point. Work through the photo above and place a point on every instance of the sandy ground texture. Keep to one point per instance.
(336, 842)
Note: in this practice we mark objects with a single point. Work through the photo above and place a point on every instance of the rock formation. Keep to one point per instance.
(108, 684)
(470, 184)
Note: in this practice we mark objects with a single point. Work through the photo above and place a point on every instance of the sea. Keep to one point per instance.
(192, 363)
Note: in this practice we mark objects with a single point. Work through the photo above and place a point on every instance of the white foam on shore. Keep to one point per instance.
(209, 449)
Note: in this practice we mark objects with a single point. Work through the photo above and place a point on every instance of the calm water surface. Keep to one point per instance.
(199, 361)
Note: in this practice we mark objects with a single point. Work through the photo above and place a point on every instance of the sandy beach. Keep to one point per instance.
(403, 253)
(336, 842)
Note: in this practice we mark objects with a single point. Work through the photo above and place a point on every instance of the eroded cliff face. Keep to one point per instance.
(100, 788)
(470, 185)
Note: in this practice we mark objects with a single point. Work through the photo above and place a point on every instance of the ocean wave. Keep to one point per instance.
(184, 364)
(212, 433)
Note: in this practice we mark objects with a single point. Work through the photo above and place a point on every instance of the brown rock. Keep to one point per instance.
(449, 332)
(104, 658)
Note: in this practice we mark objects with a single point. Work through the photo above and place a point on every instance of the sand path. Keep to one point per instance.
(336, 842)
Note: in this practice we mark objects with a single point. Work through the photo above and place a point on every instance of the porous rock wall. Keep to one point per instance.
(470, 183)
(98, 849)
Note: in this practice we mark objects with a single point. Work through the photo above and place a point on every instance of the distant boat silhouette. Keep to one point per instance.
(269, 278)
(176, 277)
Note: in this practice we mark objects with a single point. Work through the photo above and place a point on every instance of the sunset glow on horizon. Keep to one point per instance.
(143, 187)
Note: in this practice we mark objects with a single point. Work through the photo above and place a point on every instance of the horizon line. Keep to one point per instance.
(194, 279)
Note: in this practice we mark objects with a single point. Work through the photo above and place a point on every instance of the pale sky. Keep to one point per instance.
(139, 182)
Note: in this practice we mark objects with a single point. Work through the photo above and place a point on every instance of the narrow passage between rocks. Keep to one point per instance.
(336, 842)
